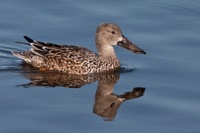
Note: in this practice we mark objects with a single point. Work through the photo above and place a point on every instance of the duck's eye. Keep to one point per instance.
(113, 32)
(112, 105)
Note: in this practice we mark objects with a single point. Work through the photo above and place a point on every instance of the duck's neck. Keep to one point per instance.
(107, 52)
(108, 59)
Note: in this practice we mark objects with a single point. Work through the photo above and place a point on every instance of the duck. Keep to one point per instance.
(78, 60)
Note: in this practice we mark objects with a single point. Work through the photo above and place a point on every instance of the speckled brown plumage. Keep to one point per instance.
(78, 60)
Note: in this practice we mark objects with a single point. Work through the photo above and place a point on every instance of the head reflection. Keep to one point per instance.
(106, 102)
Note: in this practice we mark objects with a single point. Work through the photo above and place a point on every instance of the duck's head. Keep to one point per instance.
(109, 34)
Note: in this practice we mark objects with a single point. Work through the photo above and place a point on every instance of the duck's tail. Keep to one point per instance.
(25, 54)
(28, 39)
(22, 55)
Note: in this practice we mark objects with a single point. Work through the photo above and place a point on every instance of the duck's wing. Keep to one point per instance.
(43, 48)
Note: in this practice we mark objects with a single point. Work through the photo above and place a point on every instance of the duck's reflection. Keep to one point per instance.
(106, 102)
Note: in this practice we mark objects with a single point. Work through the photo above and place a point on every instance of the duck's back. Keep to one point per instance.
(62, 58)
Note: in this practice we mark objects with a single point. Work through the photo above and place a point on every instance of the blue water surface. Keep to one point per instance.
(167, 30)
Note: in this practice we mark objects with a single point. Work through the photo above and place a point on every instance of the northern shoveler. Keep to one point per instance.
(78, 60)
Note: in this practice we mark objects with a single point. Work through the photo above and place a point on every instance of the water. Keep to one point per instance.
(168, 31)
